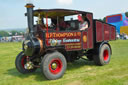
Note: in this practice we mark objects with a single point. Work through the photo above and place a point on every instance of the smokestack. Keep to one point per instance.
(30, 7)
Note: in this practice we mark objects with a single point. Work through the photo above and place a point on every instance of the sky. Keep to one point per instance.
(12, 11)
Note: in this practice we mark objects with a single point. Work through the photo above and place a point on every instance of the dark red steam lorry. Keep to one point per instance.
(49, 45)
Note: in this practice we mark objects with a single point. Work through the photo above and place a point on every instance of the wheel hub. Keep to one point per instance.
(54, 66)
(106, 55)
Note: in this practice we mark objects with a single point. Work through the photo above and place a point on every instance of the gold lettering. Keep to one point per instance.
(65, 34)
(47, 35)
(75, 34)
(57, 35)
(50, 35)
(78, 33)
(62, 35)
(54, 35)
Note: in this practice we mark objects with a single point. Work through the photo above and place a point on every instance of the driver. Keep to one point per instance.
(83, 24)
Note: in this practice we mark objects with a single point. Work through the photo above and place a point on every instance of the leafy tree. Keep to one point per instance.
(14, 32)
(126, 14)
(100, 19)
(104, 19)
(4, 34)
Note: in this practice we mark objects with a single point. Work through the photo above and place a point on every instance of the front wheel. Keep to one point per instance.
(103, 55)
(53, 65)
(20, 62)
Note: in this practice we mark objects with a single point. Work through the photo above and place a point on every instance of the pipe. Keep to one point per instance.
(30, 17)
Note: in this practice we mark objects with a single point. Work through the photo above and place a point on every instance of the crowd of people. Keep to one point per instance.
(12, 39)
(122, 36)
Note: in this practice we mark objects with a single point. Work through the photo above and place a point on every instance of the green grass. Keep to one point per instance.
(80, 72)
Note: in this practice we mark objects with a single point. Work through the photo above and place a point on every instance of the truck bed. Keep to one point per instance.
(104, 31)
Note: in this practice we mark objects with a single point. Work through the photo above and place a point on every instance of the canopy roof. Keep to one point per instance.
(51, 13)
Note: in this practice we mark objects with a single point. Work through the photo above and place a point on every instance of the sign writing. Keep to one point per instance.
(63, 34)
(71, 40)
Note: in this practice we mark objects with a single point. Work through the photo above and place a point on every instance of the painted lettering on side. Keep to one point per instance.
(63, 35)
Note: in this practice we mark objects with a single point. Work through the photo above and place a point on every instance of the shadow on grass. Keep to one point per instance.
(38, 75)
(79, 63)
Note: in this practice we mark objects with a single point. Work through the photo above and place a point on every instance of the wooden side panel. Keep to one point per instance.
(106, 32)
(90, 38)
(113, 33)
(99, 31)
(90, 31)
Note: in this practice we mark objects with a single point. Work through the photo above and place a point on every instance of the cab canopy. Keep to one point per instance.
(52, 13)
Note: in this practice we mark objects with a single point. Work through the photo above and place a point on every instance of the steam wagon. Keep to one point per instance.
(49, 45)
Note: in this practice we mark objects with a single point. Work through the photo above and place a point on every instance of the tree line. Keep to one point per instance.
(10, 33)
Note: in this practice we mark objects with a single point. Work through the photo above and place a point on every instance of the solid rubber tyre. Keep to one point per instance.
(47, 62)
(103, 55)
(19, 63)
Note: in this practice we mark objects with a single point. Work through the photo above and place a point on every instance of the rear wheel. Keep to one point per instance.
(103, 55)
(20, 62)
(53, 65)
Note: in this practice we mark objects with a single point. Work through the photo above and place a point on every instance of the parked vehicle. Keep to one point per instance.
(49, 46)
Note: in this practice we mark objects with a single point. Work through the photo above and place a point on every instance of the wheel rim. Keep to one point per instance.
(55, 66)
(106, 55)
(23, 61)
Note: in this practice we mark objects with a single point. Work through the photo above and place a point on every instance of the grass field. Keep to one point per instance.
(80, 72)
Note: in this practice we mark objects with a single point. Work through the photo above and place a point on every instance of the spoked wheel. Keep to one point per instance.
(20, 62)
(103, 55)
(53, 65)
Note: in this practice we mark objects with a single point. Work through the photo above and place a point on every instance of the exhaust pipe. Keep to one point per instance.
(30, 19)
